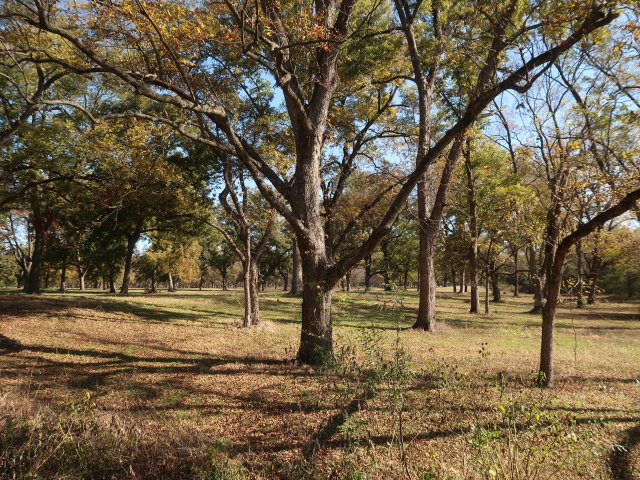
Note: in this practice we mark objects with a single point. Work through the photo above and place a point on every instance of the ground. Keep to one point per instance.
(168, 386)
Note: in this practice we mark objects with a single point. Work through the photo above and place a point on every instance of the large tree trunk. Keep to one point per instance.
(32, 284)
(112, 278)
(154, 276)
(132, 239)
(367, 273)
(594, 275)
(316, 339)
(554, 282)
(495, 284)
(347, 282)
(63, 277)
(224, 275)
(453, 279)
(171, 285)
(296, 277)
(427, 304)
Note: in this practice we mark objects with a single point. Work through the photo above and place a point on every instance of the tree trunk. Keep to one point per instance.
(224, 275)
(384, 247)
(254, 277)
(347, 281)
(486, 292)
(132, 239)
(453, 279)
(32, 284)
(63, 278)
(112, 278)
(251, 279)
(367, 273)
(495, 285)
(579, 282)
(154, 278)
(427, 304)
(81, 274)
(171, 285)
(554, 282)
(463, 280)
(387, 281)
(316, 339)
(516, 275)
(296, 275)
(473, 276)
(594, 276)
(536, 282)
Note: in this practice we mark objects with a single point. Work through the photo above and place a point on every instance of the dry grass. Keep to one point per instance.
(171, 377)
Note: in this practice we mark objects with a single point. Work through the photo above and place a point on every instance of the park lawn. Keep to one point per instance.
(168, 386)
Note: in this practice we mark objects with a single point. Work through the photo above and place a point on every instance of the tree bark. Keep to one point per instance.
(32, 285)
(536, 282)
(427, 298)
(296, 276)
(594, 275)
(487, 309)
(316, 339)
(63, 277)
(453, 279)
(516, 275)
(579, 282)
(132, 239)
(81, 275)
(495, 284)
(367, 273)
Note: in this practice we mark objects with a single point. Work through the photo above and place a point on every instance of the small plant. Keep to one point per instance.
(524, 441)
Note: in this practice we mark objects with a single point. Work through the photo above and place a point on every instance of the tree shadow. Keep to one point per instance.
(621, 456)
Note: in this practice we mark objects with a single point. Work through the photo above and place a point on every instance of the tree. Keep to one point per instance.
(546, 376)
(141, 190)
(246, 233)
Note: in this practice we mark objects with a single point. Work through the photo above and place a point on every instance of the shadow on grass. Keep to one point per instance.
(620, 459)
(23, 306)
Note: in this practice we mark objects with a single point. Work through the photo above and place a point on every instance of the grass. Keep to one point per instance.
(167, 386)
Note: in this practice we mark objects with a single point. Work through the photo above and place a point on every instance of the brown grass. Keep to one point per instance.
(176, 370)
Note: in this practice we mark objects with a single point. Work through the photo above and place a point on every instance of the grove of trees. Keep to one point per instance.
(305, 144)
